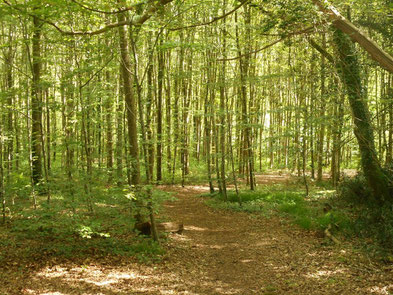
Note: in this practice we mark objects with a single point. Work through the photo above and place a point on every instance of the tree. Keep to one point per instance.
(128, 83)
(349, 69)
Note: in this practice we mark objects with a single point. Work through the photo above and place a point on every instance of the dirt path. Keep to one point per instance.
(222, 252)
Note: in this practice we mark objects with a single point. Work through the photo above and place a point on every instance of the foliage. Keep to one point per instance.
(370, 221)
(65, 230)
(214, 101)
(355, 190)
(307, 212)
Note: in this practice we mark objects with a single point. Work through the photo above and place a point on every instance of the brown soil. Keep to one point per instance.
(224, 252)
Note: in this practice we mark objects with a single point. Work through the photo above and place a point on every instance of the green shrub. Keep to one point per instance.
(370, 220)
(355, 190)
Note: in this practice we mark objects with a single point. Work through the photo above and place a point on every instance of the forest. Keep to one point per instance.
(196, 147)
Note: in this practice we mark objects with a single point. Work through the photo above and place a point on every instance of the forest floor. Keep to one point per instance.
(219, 252)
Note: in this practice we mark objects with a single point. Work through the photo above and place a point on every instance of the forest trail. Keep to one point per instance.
(225, 252)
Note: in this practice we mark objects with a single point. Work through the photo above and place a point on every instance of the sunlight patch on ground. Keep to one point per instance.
(324, 273)
(387, 290)
(180, 238)
(195, 228)
(216, 247)
(29, 291)
(263, 243)
(198, 187)
(246, 260)
(91, 275)
(226, 291)
(219, 247)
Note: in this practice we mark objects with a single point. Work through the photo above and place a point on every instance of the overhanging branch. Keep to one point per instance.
(377, 53)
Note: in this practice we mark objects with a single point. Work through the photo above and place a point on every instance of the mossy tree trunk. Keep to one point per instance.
(349, 70)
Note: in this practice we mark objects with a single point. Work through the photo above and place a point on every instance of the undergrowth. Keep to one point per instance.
(312, 213)
(348, 213)
(371, 222)
(66, 228)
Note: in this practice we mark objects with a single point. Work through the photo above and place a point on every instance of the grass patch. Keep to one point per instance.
(307, 212)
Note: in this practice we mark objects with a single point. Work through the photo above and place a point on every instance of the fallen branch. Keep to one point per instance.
(340, 22)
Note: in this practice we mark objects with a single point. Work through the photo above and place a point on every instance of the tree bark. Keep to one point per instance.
(2, 196)
(36, 104)
(349, 70)
(130, 103)
(160, 78)
(109, 134)
(341, 23)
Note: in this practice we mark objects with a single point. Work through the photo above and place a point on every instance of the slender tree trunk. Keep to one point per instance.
(10, 100)
(160, 78)
(149, 106)
(321, 134)
(168, 118)
(128, 83)
(207, 130)
(36, 104)
(222, 112)
(119, 137)
(109, 135)
(2, 195)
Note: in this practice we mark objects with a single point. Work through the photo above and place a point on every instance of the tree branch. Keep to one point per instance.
(213, 20)
(308, 30)
(135, 21)
(131, 7)
(322, 51)
(377, 53)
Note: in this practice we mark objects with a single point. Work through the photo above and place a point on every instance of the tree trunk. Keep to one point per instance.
(109, 135)
(321, 134)
(160, 78)
(349, 70)
(2, 196)
(128, 83)
(36, 105)
(376, 52)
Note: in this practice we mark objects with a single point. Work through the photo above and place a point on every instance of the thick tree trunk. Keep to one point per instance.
(349, 71)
